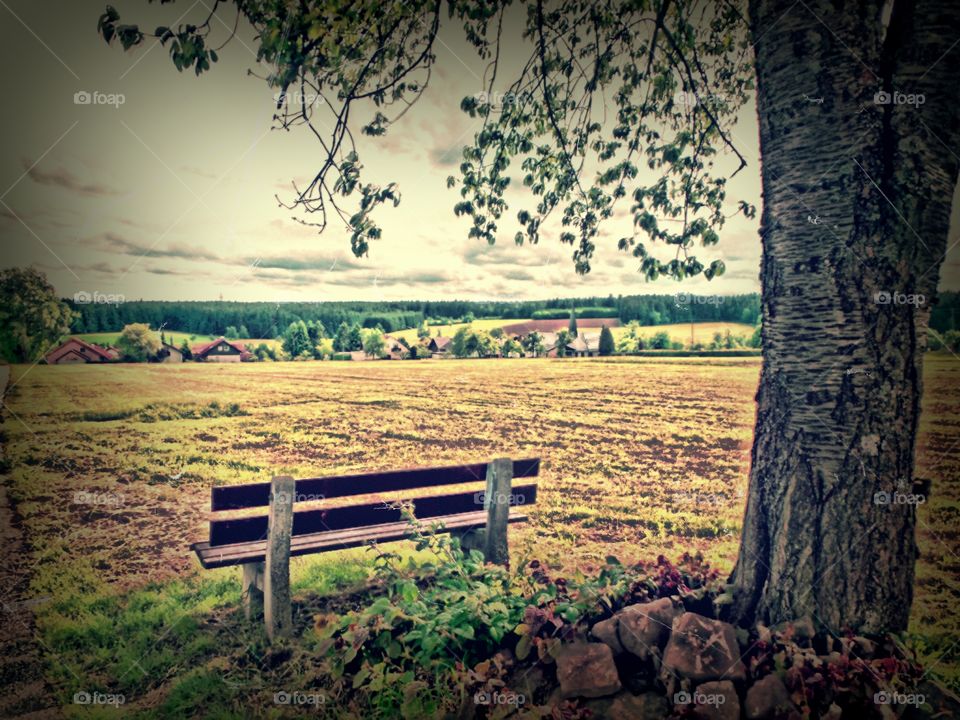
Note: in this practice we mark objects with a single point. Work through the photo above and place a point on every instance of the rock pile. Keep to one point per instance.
(660, 660)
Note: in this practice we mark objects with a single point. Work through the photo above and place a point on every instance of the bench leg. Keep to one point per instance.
(253, 589)
(497, 505)
(277, 609)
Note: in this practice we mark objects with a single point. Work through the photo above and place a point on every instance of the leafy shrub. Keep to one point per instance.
(341, 356)
(459, 615)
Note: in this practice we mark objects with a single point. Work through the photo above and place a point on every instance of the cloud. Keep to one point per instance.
(305, 261)
(198, 172)
(447, 157)
(63, 178)
(503, 254)
(116, 243)
(519, 275)
(375, 279)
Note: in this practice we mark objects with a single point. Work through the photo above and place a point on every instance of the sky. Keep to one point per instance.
(172, 195)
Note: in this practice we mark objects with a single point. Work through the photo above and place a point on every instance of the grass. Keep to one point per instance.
(641, 456)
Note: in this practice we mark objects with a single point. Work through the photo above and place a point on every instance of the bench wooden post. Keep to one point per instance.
(277, 611)
(253, 589)
(497, 504)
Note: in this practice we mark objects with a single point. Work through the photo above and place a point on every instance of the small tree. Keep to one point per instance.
(374, 344)
(533, 343)
(563, 338)
(242, 332)
(606, 344)
(32, 317)
(660, 341)
(185, 350)
(355, 338)
(464, 342)
(296, 340)
(323, 349)
(316, 330)
(572, 325)
(341, 341)
(511, 347)
(138, 343)
(231, 333)
(423, 331)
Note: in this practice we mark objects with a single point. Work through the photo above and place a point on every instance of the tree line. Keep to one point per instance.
(269, 320)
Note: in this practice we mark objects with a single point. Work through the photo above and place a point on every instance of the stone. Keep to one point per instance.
(645, 628)
(649, 706)
(716, 701)
(587, 670)
(766, 697)
(703, 649)
(606, 631)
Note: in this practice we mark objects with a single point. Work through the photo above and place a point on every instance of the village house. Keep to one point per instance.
(394, 349)
(74, 350)
(169, 354)
(439, 345)
(580, 346)
(221, 350)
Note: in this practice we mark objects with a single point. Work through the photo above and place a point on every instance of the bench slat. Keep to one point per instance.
(241, 553)
(237, 497)
(308, 522)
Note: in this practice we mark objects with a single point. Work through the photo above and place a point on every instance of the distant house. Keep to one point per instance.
(170, 354)
(580, 346)
(74, 350)
(221, 350)
(394, 349)
(440, 345)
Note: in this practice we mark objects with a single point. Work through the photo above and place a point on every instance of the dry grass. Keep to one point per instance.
(640, 457)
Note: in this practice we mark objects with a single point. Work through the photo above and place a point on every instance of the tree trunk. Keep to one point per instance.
(856, 207)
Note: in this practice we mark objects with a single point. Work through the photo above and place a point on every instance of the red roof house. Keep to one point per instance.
(221, 350)
(74, 350)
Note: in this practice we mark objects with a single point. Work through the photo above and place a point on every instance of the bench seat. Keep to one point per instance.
(255, 551)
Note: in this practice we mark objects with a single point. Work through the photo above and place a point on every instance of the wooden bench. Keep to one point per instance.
(264, 543)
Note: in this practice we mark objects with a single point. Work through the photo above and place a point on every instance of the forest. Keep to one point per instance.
(268, 319)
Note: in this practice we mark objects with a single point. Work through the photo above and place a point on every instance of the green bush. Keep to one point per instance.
(341, 356)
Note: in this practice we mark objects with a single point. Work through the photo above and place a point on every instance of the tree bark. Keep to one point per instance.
(856, 207)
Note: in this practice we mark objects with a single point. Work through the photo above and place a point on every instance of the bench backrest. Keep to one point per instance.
(255, 495)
